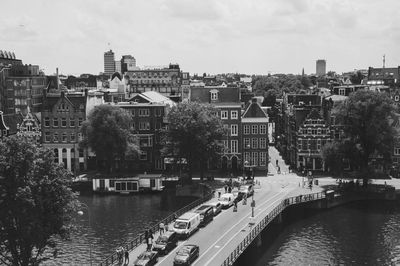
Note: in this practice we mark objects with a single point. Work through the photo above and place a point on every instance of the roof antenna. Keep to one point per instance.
(383, 61)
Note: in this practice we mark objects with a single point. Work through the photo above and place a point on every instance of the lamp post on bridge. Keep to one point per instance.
(90, 244)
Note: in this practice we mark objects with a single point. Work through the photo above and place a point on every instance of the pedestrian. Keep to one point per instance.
(146, 235)
(229, 189)
(166, 227)
(235, 206)
(219, 194)
(226, 188)
(119, 254)
(279, 170)
(161, 227)
(277, 162)
(126, 257)
(149, 243)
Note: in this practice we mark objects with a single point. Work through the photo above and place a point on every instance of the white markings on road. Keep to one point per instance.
(227, 242)
(228, 231)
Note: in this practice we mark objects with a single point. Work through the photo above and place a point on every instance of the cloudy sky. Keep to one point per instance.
(213, 36)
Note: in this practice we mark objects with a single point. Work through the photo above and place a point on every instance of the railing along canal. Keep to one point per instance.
(132, 244)
(256, 229)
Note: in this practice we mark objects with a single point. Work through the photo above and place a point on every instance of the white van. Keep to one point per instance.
(187, 224)
(226, 200)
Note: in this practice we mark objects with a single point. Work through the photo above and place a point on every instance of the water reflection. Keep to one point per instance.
(358, 234)
(114, 220)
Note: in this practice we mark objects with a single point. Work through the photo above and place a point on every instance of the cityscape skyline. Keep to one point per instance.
(255, 37)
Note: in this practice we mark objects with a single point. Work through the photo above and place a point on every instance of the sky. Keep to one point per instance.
(212, 36)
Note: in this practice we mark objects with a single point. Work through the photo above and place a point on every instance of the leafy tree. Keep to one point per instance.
(270, 98)
(356, 78)
(367, 129)
(194, 133)
(36, 202)
(109, 133)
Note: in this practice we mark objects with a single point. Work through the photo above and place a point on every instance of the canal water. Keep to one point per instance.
(361, 233)
(114, 219)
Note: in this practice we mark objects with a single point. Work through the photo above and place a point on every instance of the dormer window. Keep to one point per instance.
(214, 95)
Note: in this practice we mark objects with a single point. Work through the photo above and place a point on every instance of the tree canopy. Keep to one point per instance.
(367, 129)
(36, 202)
(108, 132)
(281, 83)
(194, 132)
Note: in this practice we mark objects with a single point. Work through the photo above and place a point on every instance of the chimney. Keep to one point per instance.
(57, 79)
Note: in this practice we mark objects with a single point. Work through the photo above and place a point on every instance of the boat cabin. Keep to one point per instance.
(126, 185)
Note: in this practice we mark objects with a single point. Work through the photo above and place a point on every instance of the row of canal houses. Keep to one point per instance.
(58, 125)
(304, 124)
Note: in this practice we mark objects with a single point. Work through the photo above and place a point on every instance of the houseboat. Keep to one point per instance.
(126, 185)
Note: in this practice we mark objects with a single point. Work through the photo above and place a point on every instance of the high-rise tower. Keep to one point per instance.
(321, 67)
(109, 63)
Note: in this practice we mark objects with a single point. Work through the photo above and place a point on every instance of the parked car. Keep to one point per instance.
(217, 207)
(187, 255)
(247, 189)
(166, 242)
(206, 214)
(226, 200)
(147, 258)
(187, 224)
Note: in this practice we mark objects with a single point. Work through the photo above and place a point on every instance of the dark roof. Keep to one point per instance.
(295, 99)
(254, 110)
(11, 121)
(75, 100)
(225, 94)
(314, 114)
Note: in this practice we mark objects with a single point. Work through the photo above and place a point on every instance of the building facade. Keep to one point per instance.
(62, 118)
(255, 138)
(128, 63)
(321, 67)
(166, 81)
(109, 63)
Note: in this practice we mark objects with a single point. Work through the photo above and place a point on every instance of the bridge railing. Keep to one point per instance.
(137, 241)
(256, 229)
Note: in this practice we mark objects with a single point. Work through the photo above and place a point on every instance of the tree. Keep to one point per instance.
(36, 202)
(356, 78)
(366, 128)
(194, 133)
(109, 133)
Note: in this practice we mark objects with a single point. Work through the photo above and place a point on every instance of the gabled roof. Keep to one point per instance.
(151, 97)
(225, 94)
(254, 110)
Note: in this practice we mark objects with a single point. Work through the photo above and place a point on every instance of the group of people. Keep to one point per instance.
(121, 253)
(163, 228)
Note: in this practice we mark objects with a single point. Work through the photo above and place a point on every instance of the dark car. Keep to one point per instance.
(166, 242)
(186, 255)
(147, 258)
(206, 214)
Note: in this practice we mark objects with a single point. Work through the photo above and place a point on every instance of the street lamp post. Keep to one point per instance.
(90, 244)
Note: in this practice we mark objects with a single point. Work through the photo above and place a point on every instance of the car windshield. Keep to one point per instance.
(162, 239)
(184, 251)
(180, 225)
(145, 256)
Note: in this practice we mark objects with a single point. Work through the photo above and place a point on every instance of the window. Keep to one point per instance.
(342, 91)
(263, 143)
(224, 114)
(80, 121)
(225, 143)
(133, 112)
(214, 95)
(55, 122)
(80, 136)
(72, 137)
(158, 112)
(46, 122)
(246, 129)
(318, 144)
(263, 129)
(234, 146)
(246, 143)
(47, 136)
(234, 130)
(254, 143)
(64, 137)
(143, 156)
(234, 114)
(72, 122)
(55, 137)
(146, 141)
(254, 158)
(247, 156)
(319, 131)
(396, 151)
(396, 98)
(254, 129)
(144, 112)
(263, 158)
(299, 147)
(144, 126)
(63, 121)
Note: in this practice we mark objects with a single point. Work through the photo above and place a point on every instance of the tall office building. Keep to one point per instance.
(109, 63)
(118, 66)
(321, 67)
(128, 63)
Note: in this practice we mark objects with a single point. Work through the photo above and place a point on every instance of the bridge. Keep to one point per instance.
(225, 238)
